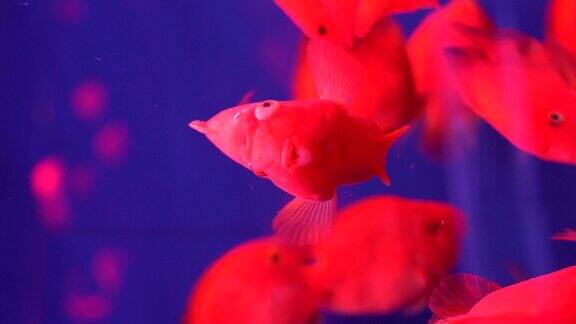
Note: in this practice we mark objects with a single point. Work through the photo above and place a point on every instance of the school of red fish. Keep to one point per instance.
(359, 85)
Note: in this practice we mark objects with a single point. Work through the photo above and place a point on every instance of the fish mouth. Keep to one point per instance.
(199, 126)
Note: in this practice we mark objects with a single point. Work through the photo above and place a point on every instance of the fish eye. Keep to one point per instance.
(322, 30)
(276, 258)
(266, 109)
(555, 118)
(309, 261)
(433, 228)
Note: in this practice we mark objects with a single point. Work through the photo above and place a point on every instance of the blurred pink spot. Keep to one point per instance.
(89, 99)
(87, 307)
(47, 186)
(107, 268)
(274, 54)
(110, 143)
(69, 11)
(81, 180)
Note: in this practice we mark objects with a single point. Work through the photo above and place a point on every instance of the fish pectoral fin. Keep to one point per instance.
(336, 73)
(304, 222)
(457, 294)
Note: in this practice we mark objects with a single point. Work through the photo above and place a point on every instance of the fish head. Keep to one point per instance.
(237, 130)
(440, 230)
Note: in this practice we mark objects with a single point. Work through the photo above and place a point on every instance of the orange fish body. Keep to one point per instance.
(445, 113)
(386, 94)
(385, 254)
(562, 24)
(343, 22)
(259, 282)
(545, 299)
(512, 82)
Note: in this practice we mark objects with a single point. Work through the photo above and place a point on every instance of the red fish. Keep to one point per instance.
(467, 298)
(445, 116)
(258, 282)
(514, 83)
(344, 21)
(562, 24)
(386, 254)
(306, 147)
(386, 94)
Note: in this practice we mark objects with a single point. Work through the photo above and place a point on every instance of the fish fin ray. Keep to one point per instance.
(304, 222)
(336, 73)
(457, 294)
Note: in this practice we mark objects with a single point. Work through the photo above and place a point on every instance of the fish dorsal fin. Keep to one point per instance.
(336, 73)
(567, 234)
(457, 294)
(304, 222)
(246, 97)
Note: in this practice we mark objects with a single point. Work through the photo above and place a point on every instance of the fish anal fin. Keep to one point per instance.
(336, 73)
(304, 222)
(457, 294)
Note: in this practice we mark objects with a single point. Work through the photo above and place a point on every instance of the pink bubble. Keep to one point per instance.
(69, 11)
(110, 143)
(81, 180)
(90, 99)
(107, 268)
(47, 178)
(47, 186)
(87, 307)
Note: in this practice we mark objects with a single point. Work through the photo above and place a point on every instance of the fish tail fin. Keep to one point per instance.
(304, 222)
(567, 234)
(457, 294)
(336, 73)
(387, 141)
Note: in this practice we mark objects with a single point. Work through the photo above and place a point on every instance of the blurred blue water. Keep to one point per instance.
(177, 203)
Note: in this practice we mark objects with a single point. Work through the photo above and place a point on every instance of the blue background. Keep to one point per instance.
(177, 204)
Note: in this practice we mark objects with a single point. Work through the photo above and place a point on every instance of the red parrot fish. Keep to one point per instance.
(306, 147)
(258, 282)
(344, 21)
(513, 82)
(446, 118)
(466, 298)
(562, 24)
(386, 254)
(568, 234)
(386, 94)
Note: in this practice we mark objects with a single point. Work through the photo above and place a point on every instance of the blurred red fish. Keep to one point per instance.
(259, 282)
(470, 299)
(516, 84)
(446, 117)
(343, 21)
(568, 234)
(386, 94)
(386, 254)
(562, 24)
(306, 147)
